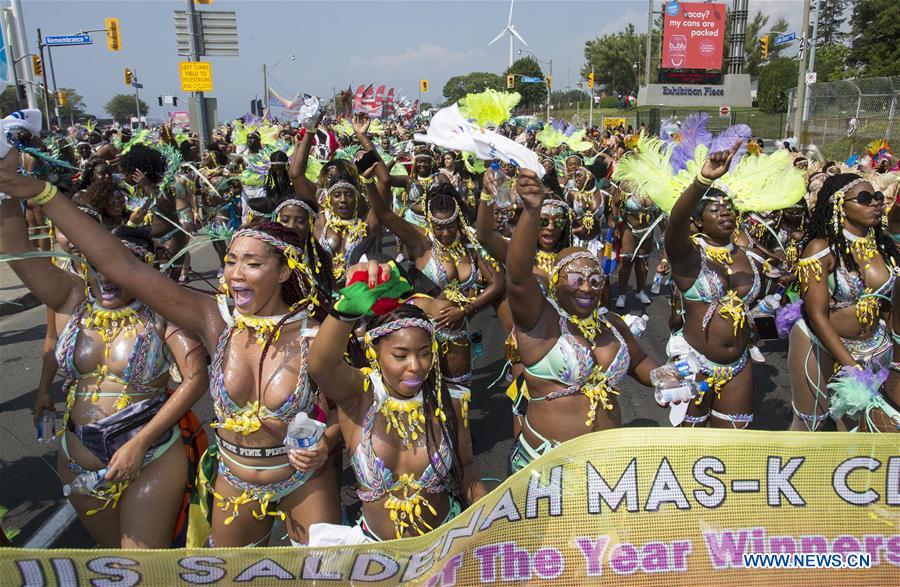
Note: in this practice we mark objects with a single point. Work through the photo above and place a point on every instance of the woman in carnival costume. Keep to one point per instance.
(407, 435)
(466, 279)
(98, 190)
(341, 230)
(846, 274)
(717, 282)
(574, 351)
(299, 216)
(258, 378)
(116, 353)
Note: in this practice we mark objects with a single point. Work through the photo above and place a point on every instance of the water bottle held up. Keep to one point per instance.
(767, 307)
(657, 283)
(501, 196)
(303, 432)
(84, 483)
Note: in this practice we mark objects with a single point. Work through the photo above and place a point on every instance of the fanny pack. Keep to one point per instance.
(107, 435)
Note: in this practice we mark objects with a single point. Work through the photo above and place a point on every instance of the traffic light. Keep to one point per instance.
(159, 99)
(61, 98)
(113, 41)
(129, 77)
(37, 65)
(764, 47)
(423, 85)
(510, 81)
(591, 80)
(174, 100)
(549, 81)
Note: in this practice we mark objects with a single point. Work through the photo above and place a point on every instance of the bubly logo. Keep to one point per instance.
(672, 8)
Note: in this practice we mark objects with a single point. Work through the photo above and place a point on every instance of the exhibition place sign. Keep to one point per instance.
(693, 90)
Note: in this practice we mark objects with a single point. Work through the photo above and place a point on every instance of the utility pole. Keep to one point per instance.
(801, 78)
(22, 39)
(265, 92)
(8, 27)
(591, 105)
(548, 91)
(44, 72)
(812, 56)
(649, 39)
(137, 99)
(199, 102)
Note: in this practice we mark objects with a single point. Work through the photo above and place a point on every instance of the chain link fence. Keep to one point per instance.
(842, 117)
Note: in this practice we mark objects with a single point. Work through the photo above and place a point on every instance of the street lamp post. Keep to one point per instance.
(266, 71)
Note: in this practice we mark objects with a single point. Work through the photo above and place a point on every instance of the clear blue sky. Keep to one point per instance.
(336, 43)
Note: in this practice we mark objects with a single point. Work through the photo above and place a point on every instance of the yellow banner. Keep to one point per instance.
(640, 506)
(613, 122)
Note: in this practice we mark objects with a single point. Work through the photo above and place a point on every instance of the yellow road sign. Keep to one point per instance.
(196, 76)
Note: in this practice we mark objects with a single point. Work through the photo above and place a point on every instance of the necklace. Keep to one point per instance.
(590, 326)
(863, 247)
(716, 253)
(264, 326)
(545, 261)
(110, 323)
(453, 253)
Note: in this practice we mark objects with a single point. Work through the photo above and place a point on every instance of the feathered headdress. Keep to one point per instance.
(686, 139)
(558, 132)
(268, 133)
(489, 108)
(879, 150)
(648, 170)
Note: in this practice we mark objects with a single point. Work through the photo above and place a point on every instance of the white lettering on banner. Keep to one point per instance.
(264, 568)
(116, 575)
(717, 489)
(693, 91)
(778, 481)
(839, 481)
(626, 488)
(551, 491)
(206, 571)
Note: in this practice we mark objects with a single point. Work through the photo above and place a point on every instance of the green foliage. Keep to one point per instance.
(831, 19)
(8, 101)
(616, 59)
(775, 79)
(73, 110)
(609, 102)
(756, 28)
(121, 107)
(831, 63)
(532, 94)
(477, 81)
(875, 31)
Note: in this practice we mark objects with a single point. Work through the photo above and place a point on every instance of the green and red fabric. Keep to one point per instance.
(358, 299)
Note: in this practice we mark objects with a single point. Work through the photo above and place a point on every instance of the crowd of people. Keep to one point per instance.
(353, 257)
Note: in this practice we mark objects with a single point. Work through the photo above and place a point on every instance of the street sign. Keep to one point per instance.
(785, 38)
(196, 76)
(217, 34)
(532, 80)
(66, 40)
(137, 85)
(811, 77)
(724, 111)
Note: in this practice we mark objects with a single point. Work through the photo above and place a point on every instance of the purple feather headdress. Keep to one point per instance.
(728, 138)
(692, 134)
(787, 317)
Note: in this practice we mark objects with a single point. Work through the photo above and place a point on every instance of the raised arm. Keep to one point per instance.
(683, 256)
(490, 239)
(525, 298)
(59, 290)
(299, 161)
(194, 311)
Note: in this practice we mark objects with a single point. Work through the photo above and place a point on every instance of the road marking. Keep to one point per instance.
(55, 526)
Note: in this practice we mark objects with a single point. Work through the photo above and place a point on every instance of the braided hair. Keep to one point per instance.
(453, 481)
(278, 181)
(146, 159)
(821, 225)
(443, 198)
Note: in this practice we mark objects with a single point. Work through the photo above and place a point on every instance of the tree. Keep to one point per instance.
(874, 31)
(74, 110)
(532, 94)
(615, 59)
(122, 107)
(831, 63)
(477, 81)
(830, 21)
(775, 79)
(757, 28)
(8, 101)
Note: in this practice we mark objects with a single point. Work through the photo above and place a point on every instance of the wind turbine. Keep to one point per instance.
(511, 29)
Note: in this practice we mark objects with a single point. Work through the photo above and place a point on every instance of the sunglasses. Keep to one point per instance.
(558, 223)
(577, 280)
(866, 198)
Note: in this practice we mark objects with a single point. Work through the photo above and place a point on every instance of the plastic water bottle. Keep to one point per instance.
(636, 324)
(303, 432)
(674, 381)
(767, 307)
(84, 483)
(46, 427)
(502, 197)
(477, 344)
(657, 283)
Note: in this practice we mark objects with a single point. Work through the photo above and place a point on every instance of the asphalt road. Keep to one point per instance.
(30, 488)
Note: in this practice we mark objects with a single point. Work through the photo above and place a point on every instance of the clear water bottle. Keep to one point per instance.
(84, 483)
(767, 307)
(502, 197)
(674, 381)
(46, 427)
(477, 344)
(636, 324)
(658, 280)
(303, 432)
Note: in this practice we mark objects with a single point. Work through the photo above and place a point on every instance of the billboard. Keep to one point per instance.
(693, 35)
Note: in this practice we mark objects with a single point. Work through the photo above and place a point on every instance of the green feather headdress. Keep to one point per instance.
(489, 108)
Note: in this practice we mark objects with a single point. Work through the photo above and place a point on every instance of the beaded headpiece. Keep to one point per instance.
(295, 202)
(342, 184)
(838, 214)
(293, 258)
